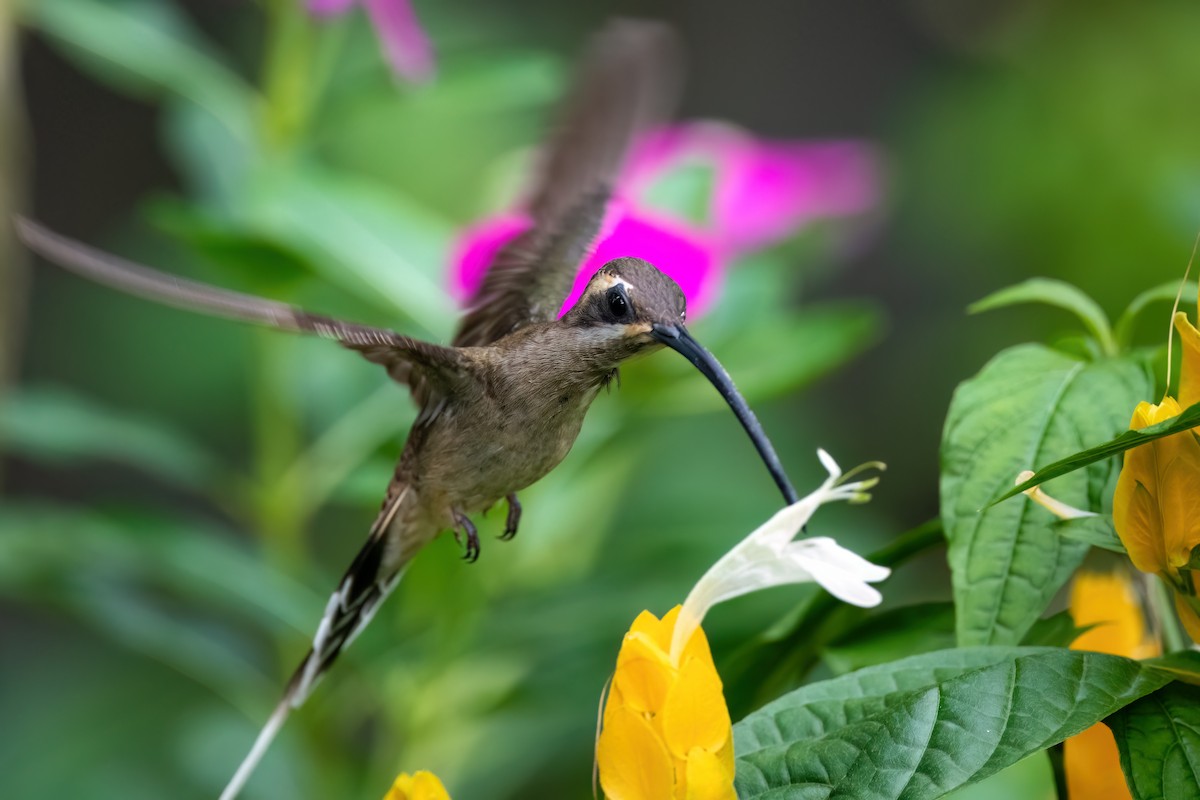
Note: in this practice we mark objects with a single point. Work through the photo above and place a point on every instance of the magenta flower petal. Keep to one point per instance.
(475, 250)
(765, 191)
(405, 44)
(774, 189)
(329, 8)
(681, 253)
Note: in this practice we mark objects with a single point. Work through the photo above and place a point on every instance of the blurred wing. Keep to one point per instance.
(626, 82)
(407, 360)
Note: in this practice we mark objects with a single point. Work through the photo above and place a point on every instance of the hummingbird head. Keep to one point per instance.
(625, 299)
(634, 307)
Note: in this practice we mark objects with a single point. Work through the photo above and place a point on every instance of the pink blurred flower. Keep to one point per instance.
(681, 252)
(762, 192)
(404, 42)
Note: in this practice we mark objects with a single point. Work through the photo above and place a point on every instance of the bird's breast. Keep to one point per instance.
(502, 439)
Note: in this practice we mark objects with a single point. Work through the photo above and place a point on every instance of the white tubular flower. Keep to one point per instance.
(769, 557)
(1056, 507)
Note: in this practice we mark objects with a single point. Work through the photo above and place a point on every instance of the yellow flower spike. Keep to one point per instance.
(694, 714)
(660, 717)
(1109, 602)
(1154, 503)
(1189, 373)
(633, 760)
(643, 683)
(421, 785)
(708, 778)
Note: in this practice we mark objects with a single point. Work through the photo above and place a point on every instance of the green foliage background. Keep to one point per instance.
(181, 494)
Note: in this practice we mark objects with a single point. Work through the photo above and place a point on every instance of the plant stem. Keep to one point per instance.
(278, 518)
(286, 75)
(1163, 602)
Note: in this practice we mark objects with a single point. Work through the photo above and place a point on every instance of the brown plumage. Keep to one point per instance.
(502, 407)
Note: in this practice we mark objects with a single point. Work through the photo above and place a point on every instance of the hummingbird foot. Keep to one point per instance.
(468, 527)
(513, 519)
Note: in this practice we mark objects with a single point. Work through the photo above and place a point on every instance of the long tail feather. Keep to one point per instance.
(370, 578)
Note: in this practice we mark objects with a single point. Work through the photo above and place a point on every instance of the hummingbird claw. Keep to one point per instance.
(513, 519)
(468, 527)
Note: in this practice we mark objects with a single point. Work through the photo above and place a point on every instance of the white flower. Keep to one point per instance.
(769, 557)
(1056, 507)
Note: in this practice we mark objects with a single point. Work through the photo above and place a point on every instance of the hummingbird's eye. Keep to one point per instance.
(618, 303)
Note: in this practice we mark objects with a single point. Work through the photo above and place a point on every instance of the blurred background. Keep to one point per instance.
(178, 495)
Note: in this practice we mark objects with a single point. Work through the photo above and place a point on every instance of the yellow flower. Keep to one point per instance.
(421, 785)
(1108, 601)
(1154, 507)
(667, 733)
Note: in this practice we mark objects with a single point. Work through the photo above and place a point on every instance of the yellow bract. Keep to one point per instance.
(667, 733)
(1155, 510)
(1189, 374)
(1108, 601)
(420, 785)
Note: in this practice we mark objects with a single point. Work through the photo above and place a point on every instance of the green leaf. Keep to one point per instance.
(1159, 740)
(372, 242)
(1055, 293)
(153, 584)
(60, 427)
(1057, 630)
(1027, 405)
(1182, 666)
(1165, 293)
(1098, 531)
(1189, 418)
(778, 659)
(926, 725)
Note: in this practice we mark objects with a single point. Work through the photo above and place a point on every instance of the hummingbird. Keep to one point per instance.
(502, 405)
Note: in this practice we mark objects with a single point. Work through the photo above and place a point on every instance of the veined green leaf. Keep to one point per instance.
(1188, 419)
(1028, 404)
(926, 725)
(1098, 531)
(1159, 740)
(1055, 293)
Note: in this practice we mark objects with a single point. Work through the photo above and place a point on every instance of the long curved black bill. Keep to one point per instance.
(677, 338)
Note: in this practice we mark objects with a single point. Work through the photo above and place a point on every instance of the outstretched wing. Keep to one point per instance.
(407, 360)
(625, 83)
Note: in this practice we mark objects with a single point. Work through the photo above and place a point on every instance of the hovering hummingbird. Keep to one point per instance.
(502, 406)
